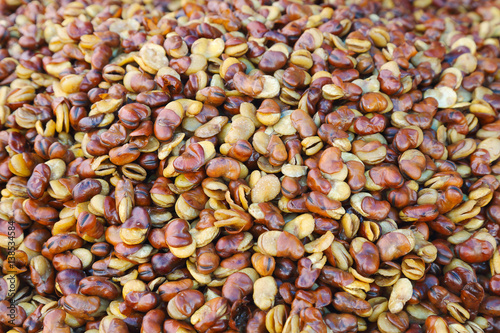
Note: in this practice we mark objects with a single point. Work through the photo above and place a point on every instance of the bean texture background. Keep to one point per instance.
(249, 166)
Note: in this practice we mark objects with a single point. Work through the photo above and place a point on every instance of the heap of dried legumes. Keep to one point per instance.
(249, 166)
